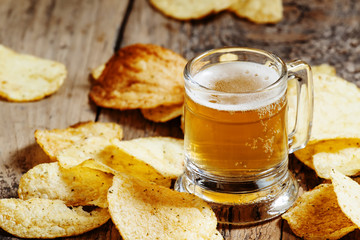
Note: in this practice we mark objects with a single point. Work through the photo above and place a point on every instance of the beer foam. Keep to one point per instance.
(237, 78)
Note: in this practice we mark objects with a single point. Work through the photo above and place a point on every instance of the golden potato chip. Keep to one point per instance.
(164, 213)
(336, 108)
(324, 69)
(336, 118)
(348, 195)
(317, 215)
(140, 76)
(341, 154)
(77, 186)
(157, 114)
(113, 160)
(165, 154)
(81, 151)
(163, 113)
(28, 78)
(103, 155)
(259, 11)
(188, 9)
(52, 141)
(44, 218)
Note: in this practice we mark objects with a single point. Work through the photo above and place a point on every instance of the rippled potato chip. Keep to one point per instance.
(336, 108)
(165, 154)
(348, 195)
(77, 186)
(157, 114)
(78, 152)
(163, 113)
(342, 155)
(259, 11)
(157, 159)
(26, 78)
(140, 76)
(336, 123)
(164, 213)
(44, 218)
(324, 69)
(160, 164)
(189, 9)
(55, 140)
(317, 215)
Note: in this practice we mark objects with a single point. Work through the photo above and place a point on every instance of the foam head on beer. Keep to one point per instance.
(236, 125)
(237, 77)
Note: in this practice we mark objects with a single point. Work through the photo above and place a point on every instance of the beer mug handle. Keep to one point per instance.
(300, 134)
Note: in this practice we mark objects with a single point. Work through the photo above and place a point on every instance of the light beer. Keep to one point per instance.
(237, 135)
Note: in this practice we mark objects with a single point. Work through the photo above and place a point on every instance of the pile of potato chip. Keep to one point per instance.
(95, 176)
(330, 211)
(26, 78)
(141, 76)
(258, 11)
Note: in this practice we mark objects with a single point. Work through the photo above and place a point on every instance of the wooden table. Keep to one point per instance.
(84, 33)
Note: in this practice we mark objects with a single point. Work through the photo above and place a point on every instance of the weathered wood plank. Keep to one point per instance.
(80, 34)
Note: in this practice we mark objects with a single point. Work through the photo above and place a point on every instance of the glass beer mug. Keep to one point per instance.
(236, 133)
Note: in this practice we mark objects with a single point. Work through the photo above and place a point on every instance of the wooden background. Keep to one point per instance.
(84, 33)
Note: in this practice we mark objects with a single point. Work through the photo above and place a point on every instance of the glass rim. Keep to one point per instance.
(189, 77)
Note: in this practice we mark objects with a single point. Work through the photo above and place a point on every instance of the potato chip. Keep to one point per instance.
(44, 218)
(163, 113)
(140, 76)
(336, 118)
(348, 195)
(165, 154)
(342, 155)
(77, 186)
(55, 140)
(336, 108)
(324, 69)
(106, 156)
(112, 160)
(317, 215)
(81, 151)
(188, 9)
(28, 78)
(157, 114)
(164, 213)
(259, 11)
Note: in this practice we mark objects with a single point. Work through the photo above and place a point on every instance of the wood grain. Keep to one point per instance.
(80, 34)
(83, 34)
